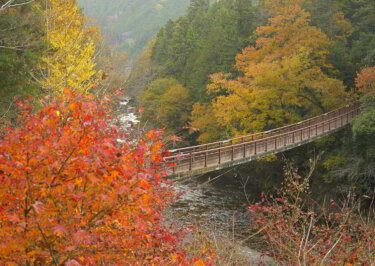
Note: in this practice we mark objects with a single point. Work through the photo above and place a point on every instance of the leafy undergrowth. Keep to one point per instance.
(71, 195)
(297, 231)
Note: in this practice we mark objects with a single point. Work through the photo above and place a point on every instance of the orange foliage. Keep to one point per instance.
(365, 80)
(281, 73)
(70, 195)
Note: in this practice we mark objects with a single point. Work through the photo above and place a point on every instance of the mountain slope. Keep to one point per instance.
(130, 24)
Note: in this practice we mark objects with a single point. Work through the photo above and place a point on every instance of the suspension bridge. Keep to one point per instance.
(214, 156)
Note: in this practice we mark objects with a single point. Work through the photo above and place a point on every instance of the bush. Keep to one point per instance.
(299, 232)
(71, 195)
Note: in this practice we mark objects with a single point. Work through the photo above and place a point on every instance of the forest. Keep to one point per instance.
(73, 194)
(128, 25)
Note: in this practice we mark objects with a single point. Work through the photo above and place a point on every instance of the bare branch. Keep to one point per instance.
(18, 48)
(10, 4)
(329, 251)
(7, 111)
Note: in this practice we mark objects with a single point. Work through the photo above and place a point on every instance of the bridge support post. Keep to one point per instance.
(255, 148)
(232, 155)
(341, 119)
(308, 134)
(265, 146)
(285, 139)
(220, 153)
(244, 150)
(275, 143)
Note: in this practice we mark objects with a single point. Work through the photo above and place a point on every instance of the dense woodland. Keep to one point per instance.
(332, 39)
(71, 194)
(239, 67)
(236, 67)
(128, 25)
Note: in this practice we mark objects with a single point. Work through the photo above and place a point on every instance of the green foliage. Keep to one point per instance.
(128, 24)
(364, 128)
(332, 162)
(205, 41)
(356, 49)
(20, 51)
(143, 72)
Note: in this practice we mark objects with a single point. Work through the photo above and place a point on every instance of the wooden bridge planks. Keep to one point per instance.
(218, 155)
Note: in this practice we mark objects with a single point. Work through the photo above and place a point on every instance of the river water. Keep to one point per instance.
(219, 205)
(219, 202)
(216, 202)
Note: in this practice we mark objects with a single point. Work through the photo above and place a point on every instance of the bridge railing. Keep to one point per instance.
(201, 156)
(265, 134)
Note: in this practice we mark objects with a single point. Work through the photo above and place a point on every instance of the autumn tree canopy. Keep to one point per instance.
(69, 62)
(282, 74)
(71, 195)
(365, 80)
(167, 105)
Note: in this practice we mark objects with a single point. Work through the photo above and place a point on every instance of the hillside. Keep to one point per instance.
(127, 24)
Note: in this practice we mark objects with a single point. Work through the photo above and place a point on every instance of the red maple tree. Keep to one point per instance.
(72, 195)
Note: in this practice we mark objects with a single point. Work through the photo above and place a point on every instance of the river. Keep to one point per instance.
(216, 202)
(220, 205)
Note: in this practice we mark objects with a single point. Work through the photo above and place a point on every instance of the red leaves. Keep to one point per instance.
(72, 263)
(294, 232)
(144, 184)
(68, 187)
(60, 230)
(13, 218)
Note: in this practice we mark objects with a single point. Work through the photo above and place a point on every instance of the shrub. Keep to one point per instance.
(71, 195)
(298, 232)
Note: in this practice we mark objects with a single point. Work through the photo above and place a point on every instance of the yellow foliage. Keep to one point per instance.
(268, 158)
(204, 119)
(342, 27)
(167, 103)
(282, 73)
(69, 63)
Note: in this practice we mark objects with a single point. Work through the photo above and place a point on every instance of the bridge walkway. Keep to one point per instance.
(209, 157)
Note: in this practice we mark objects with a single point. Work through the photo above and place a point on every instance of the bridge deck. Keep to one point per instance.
(218, 155)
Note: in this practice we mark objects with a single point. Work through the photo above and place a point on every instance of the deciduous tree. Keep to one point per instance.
(365, 80)
(69, 63)
(167, 104)
(283, 76)
(71, 195)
